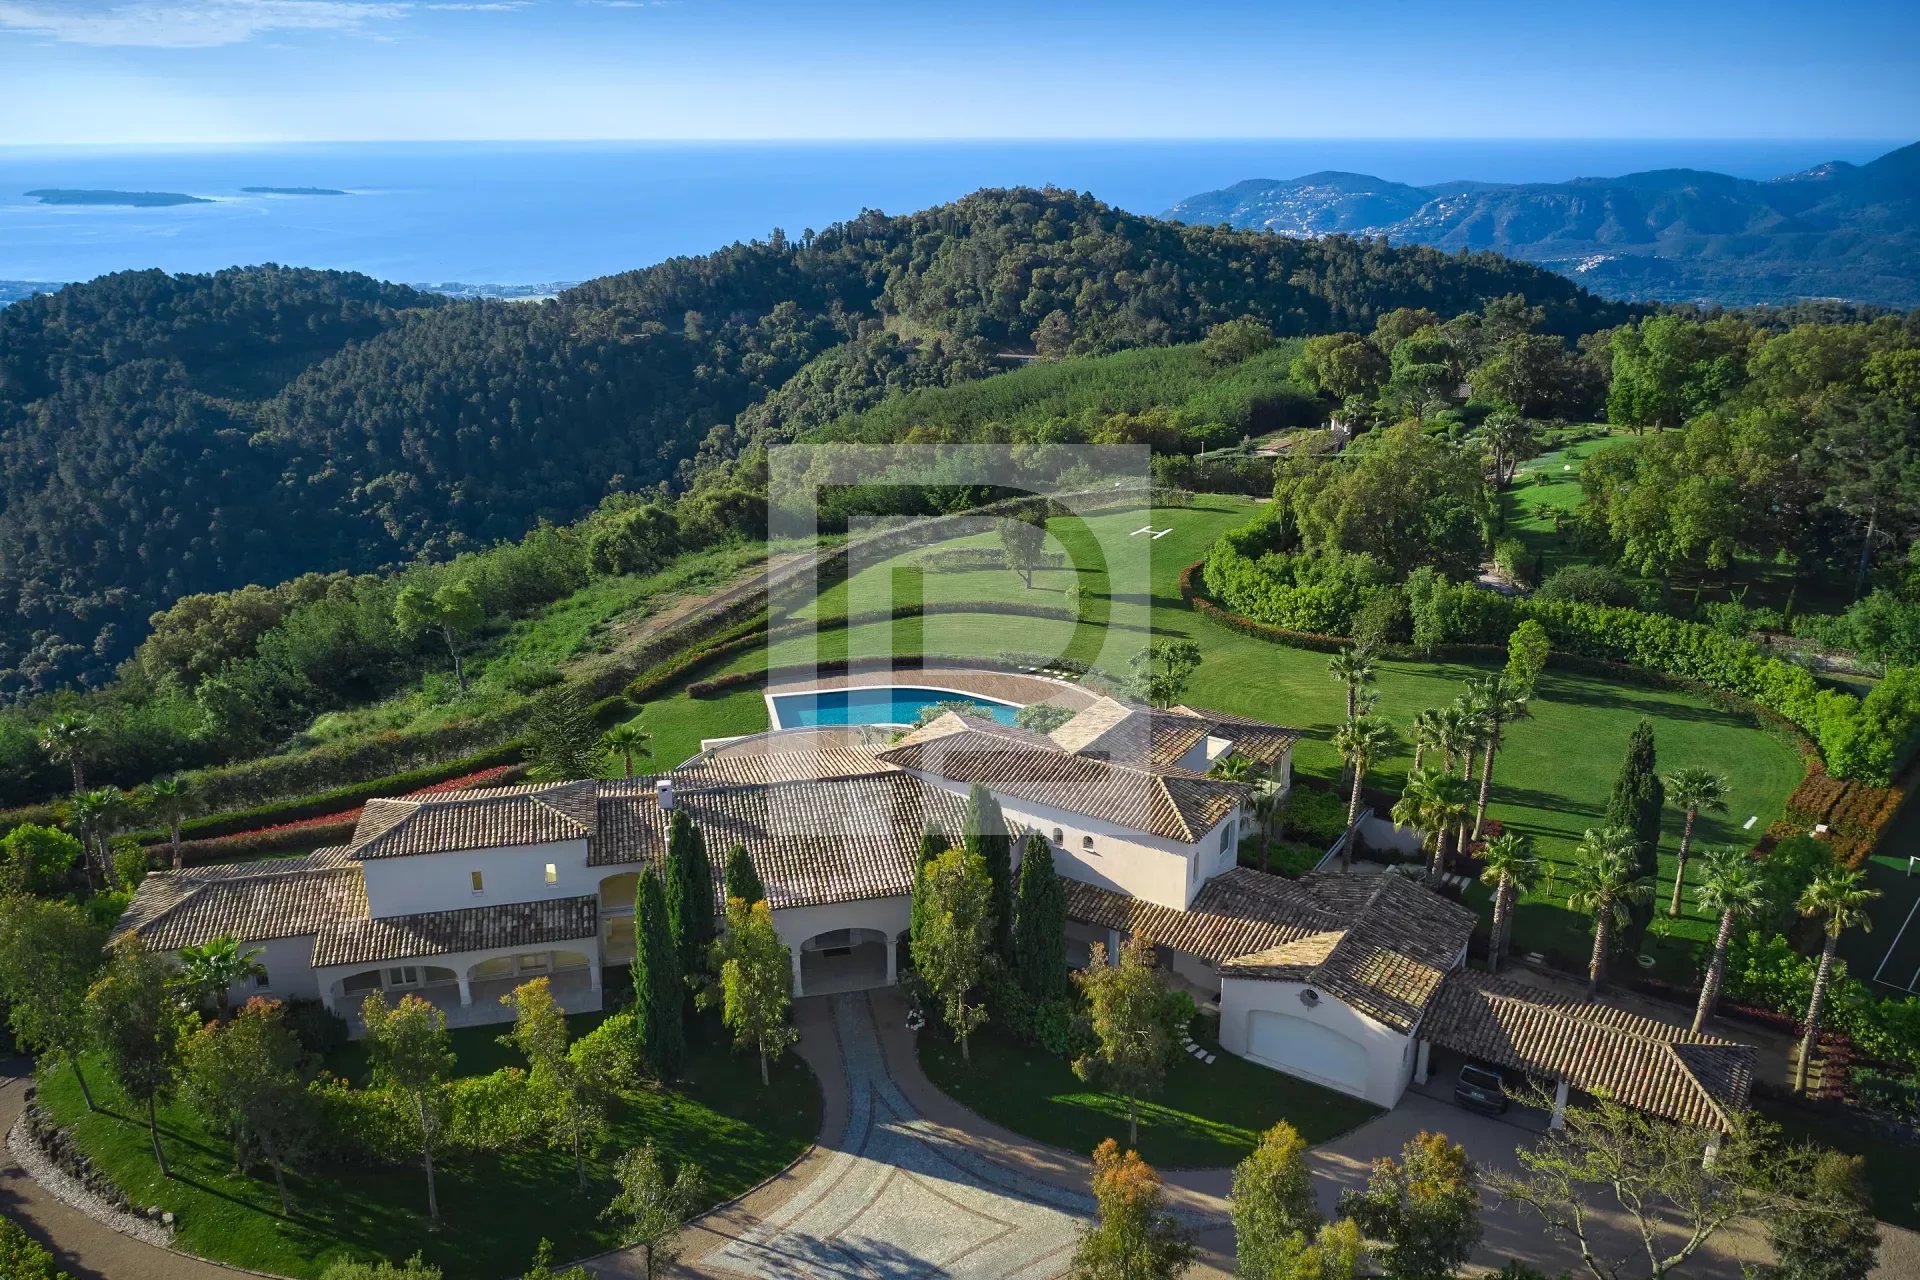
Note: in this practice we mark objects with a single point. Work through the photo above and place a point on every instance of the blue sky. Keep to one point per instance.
(159, 71)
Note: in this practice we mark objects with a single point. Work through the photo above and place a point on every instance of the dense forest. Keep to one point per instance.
(163, 436)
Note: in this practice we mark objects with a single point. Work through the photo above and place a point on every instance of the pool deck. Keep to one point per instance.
(1001, 686)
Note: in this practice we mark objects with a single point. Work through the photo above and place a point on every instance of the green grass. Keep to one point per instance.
(495, 1208)
(1551, 781)
(1892, 1173)
(1206, 1117)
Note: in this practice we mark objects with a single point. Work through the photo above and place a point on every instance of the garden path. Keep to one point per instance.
(85, 1249)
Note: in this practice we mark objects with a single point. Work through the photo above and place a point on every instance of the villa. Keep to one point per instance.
(1352, 981)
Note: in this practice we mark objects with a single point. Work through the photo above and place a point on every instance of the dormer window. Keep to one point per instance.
(479, 882)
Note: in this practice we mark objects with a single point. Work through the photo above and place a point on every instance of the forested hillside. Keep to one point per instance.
(164, 436)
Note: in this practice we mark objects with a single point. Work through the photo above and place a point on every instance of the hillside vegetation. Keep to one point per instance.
(163, 436)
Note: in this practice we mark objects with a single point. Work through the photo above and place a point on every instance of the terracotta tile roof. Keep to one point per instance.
(1638, 1061)
(1173, 804)
(254, 901)
(493, 817)
(439, 933)
(1254, 738)
(1234, 914)
(779, 766)
(1160, 739)
(836, 839)
(1382, 945)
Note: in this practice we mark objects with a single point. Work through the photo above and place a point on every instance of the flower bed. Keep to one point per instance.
(321, 829)
(1853, 812)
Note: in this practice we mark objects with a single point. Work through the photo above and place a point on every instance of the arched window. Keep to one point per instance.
(1086, 842)
(1059, 837)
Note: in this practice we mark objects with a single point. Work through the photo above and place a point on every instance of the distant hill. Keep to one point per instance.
(1838, 230)
(166, 435)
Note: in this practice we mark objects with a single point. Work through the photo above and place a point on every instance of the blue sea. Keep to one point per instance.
(528, 214)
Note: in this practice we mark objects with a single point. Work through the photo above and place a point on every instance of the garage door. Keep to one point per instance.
(1307, 1049)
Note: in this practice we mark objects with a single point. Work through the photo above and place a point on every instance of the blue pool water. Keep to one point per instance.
(882, 704)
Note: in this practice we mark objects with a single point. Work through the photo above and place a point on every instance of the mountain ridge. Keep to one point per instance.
(1833, 231)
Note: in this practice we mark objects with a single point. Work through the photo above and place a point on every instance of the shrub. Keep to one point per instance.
(1313, 815)
(1589, 584)
(1899, 1095)
(21, 1258)
(319, 1030)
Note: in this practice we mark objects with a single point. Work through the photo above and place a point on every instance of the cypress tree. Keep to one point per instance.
(742, 879)
(933, 843)
(988, 840)
(1040, 956)
(689, 891)
(659, 993)
(1636, 804)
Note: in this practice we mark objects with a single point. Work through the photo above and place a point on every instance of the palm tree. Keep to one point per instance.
(1508, 437)
(1426, 734)
(1499, 702)
(1234, 767)
(1605, 885)
(1732, 889)
(95, 817)
(1433, 801)
(213, 968)
(1510, 869)
(1464, 728)
(170, 800)
(69, 739)
(1355, 668)
(625, 741)
(1692, 790)
(1266, 811)
(1839, 898)
(1360, 741)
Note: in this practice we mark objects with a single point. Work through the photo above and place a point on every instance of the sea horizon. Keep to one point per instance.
(523, 214)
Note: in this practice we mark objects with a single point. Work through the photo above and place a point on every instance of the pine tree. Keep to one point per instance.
(742, 879)
(1637, 800)
(1040, 955)
(689, 891)
(565, 738)
(987, 839)
(659, 994)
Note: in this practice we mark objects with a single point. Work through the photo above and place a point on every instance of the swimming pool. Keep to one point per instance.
(873, 704)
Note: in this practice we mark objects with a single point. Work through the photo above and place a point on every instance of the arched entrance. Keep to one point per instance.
(843, 960)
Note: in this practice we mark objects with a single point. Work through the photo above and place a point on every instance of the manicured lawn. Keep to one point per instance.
(1551, 781)
(495, 1208)
(1206, 1117)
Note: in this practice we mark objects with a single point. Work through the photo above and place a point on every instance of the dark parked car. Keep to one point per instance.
(1481, 1089)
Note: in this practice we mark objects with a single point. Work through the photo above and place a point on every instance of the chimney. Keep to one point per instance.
(663, 794)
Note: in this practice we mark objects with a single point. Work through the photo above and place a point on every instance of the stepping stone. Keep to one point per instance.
(1209, 1059)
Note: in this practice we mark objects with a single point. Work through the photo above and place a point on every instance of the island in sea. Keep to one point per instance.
(292, 191)
(135, 199)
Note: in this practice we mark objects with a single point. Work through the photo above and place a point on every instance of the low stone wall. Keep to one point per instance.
(51, 1158)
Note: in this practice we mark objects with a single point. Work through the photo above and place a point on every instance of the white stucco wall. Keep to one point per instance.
(289, 965)
(1144, 866)
(443, 881)
(1388, 1054)
(887, 915)
(1380, 833)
